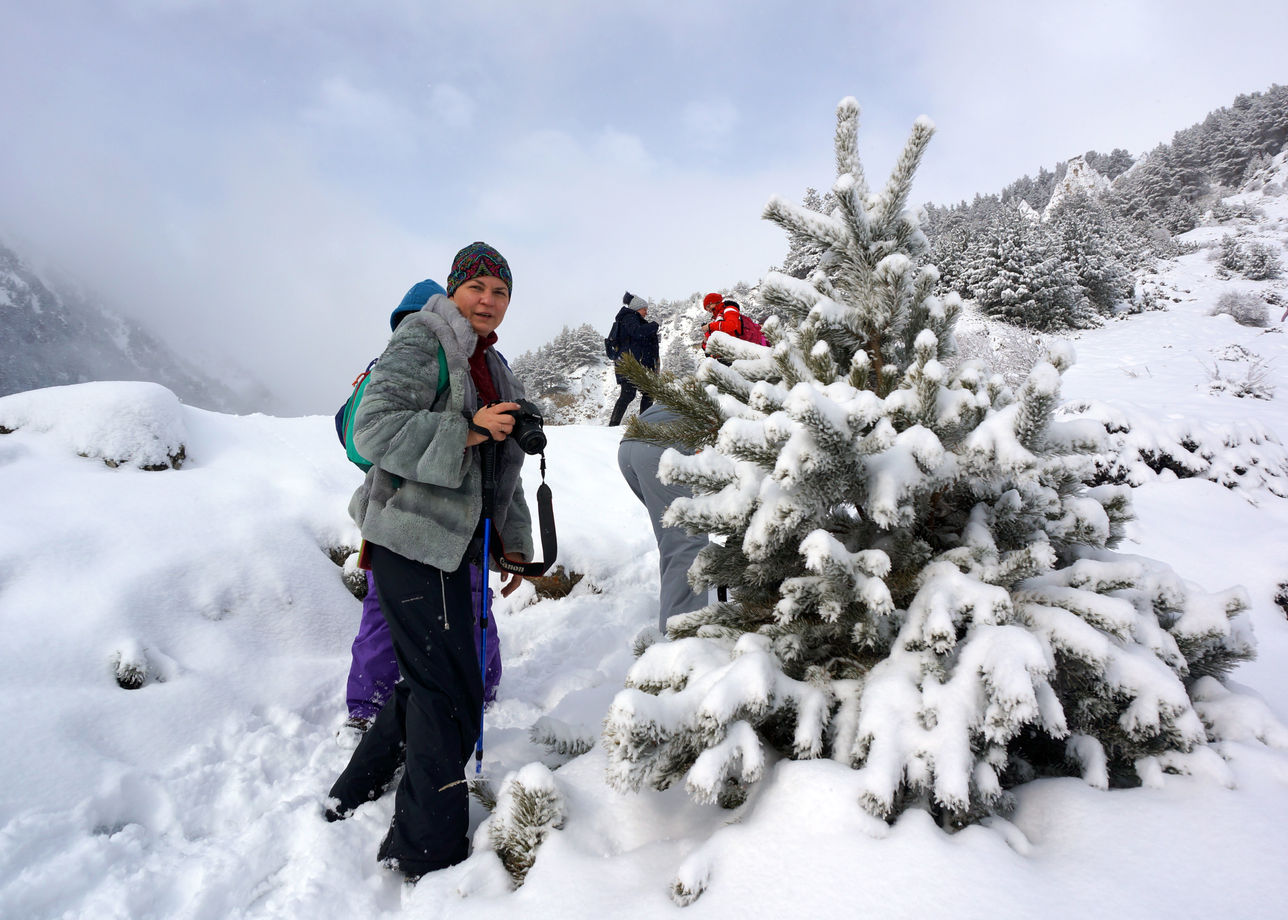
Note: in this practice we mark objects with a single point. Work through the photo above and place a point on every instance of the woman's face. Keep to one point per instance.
(482, 300)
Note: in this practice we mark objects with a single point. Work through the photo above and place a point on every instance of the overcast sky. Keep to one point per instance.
(265, 178)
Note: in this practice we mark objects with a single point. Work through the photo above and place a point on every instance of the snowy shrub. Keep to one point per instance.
(354, 578)
(692, 878)
(1240, 372)
(1261, 262)
(1246, 309)
(1146, 299)
(998, 348)
(1228, 254)
(1226, 210)
(920, 584)
(1180, 216)
(1166, 246)
(340, 553)
(1252, 382)
(1139, 448)
(1255, 261)
(133, 667)
(528, 808)
(130, 666)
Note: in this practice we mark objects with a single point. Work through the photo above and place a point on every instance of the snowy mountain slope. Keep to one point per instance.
(198, 795)
(57, 334)
(1168, 383)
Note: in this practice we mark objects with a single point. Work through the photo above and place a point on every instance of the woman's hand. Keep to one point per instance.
(495, 418)
(510, 581)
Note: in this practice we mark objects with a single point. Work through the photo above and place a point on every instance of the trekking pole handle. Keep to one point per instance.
(487, 452)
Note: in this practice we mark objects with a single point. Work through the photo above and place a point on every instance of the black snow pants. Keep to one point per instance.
(624, 400)
(435, 711)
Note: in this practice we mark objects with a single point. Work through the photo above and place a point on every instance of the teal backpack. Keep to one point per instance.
(349, 411)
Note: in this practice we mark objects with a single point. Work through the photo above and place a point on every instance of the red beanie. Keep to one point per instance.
(712, 300)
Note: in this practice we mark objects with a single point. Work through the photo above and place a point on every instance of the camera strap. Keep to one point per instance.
(545, 520)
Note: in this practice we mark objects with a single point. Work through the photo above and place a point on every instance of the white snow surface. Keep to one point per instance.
(199, 794)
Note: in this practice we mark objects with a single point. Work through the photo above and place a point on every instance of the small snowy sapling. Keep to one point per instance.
(528, 808)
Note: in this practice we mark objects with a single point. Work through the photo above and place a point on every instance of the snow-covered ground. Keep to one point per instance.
(198, 795)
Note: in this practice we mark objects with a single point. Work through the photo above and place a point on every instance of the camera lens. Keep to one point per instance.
(529, 434)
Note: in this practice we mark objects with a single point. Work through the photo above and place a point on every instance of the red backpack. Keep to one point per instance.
(750, 331)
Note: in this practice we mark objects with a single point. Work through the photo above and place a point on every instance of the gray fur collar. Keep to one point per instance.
(461, 333)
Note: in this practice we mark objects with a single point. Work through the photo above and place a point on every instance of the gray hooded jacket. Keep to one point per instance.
(423, 495)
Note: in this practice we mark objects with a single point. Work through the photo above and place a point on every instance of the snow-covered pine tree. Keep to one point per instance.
(1090, 249)
(1016, 273)
(546, 370)
(1110, 165)
(920, 586)
(951, 231)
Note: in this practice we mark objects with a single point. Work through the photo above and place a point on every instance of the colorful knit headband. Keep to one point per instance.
(478, 259)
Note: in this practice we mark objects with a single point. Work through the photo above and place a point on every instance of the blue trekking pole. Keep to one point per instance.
(489, 500)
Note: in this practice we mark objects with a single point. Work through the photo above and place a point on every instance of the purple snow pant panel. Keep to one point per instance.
(374, 669)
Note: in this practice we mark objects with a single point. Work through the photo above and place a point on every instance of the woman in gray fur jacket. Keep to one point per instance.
(419, 510)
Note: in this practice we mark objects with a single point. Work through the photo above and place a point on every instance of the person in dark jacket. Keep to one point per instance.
(638, 337)
(419, 511)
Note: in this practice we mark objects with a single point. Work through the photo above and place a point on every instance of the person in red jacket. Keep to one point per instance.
(725, 317)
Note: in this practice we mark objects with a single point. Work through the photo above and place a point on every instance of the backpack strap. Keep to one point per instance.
(442, 372)
(347, 415)
(350, 411)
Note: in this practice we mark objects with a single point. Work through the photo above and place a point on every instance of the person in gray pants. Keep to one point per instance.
(638, 461)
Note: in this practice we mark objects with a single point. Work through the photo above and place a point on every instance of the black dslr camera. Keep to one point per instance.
(529, 429)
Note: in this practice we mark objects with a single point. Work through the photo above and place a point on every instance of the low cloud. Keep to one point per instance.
(276, 215)
(450, 106)
(710, 123)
